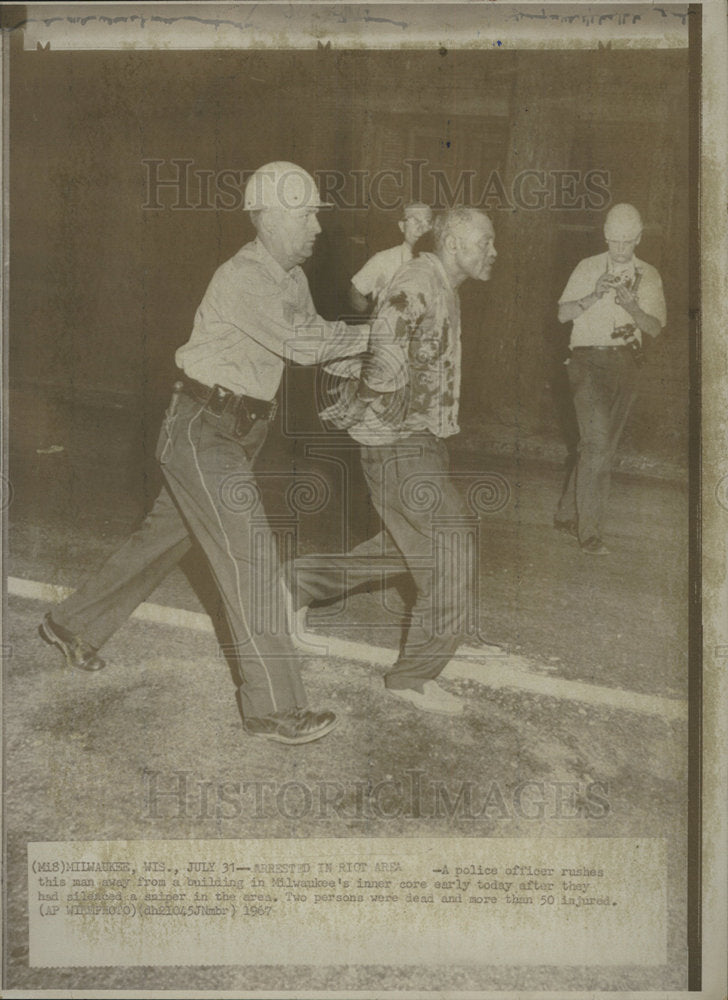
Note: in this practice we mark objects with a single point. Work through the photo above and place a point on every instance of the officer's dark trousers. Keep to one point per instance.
(603, 384)
(210, 495)
(427, 532)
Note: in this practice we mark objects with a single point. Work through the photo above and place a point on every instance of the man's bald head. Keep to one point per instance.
(464, 242)
(622, 231)
(623, 222)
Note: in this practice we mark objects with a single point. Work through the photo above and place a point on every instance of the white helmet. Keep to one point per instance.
(281, 185)
(623, 222)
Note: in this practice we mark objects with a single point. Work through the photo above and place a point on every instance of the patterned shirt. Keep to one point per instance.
(595, 326)
(254, 317)
(414, 360)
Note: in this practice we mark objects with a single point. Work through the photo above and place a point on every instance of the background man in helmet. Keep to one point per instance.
(256, 314)
(612, 299)
(369, 284)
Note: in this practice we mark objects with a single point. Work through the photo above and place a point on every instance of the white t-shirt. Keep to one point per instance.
(379, 270)
(594, 326)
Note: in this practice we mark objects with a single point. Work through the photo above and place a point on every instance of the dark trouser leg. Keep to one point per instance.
(324, 576)
(411, 488)
(566, 509)
(603, 383)
(209, 473)
(624, 396)
(108, 597)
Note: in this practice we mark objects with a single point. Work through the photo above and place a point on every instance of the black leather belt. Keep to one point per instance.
(218, 400)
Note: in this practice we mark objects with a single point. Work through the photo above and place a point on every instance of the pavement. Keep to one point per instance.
(556, 627)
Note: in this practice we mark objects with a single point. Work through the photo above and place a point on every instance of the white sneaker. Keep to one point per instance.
(432, 699)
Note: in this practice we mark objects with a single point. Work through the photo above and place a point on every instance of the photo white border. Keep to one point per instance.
(714, 339)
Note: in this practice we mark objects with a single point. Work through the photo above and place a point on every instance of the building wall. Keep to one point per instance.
(103, 289)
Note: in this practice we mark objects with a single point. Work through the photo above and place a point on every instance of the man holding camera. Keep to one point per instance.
(613, 299)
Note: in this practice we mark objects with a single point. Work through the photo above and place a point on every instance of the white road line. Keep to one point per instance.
(488, 665)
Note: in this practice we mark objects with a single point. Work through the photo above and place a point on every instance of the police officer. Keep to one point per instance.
(256, 314)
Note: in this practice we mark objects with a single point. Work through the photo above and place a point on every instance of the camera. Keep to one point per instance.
(628, 334)
(617, 280)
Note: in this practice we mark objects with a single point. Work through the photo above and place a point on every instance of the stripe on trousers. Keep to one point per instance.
(233, 560)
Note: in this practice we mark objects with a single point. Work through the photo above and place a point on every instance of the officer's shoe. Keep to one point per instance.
(295, 725)
(77, 653)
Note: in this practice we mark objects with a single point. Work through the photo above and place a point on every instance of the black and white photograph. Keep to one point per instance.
(365, 499)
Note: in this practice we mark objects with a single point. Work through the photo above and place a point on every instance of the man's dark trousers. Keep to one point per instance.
(604, 386)
(210, 494)
(428, 533)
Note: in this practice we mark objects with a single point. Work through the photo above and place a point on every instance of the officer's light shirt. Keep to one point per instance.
(254, 317)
